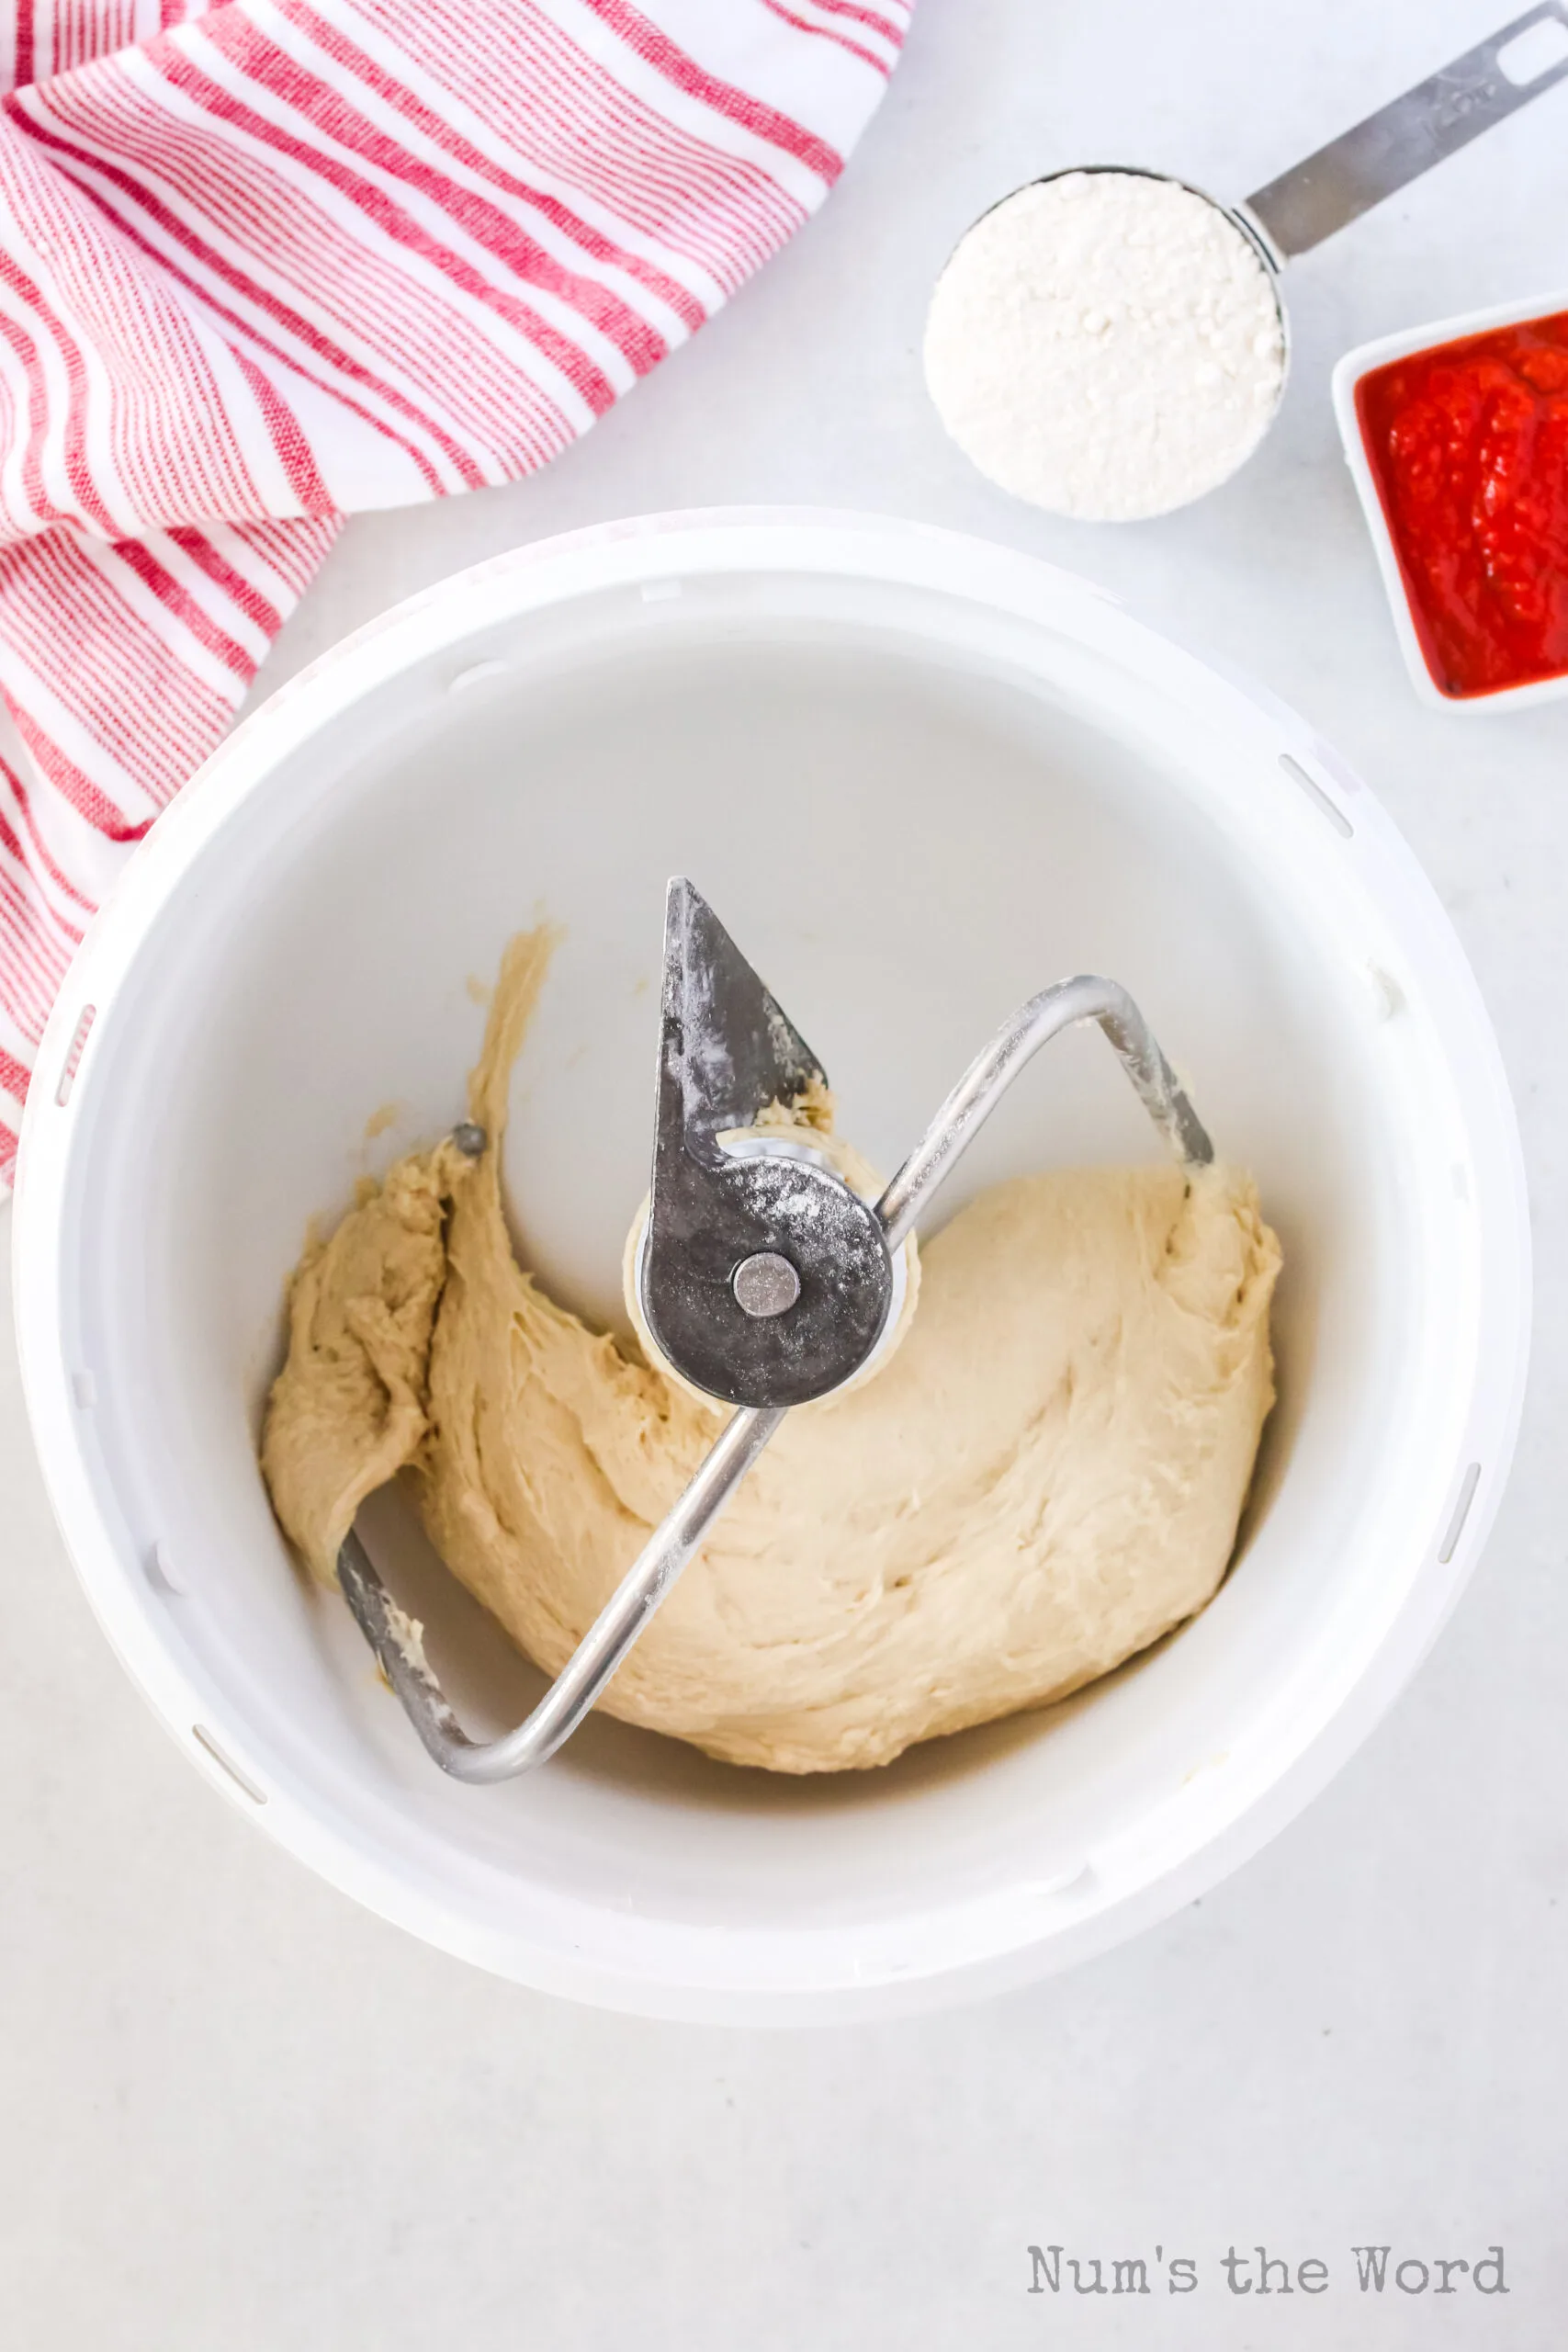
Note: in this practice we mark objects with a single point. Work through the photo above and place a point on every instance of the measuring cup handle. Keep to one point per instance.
(1399, 143)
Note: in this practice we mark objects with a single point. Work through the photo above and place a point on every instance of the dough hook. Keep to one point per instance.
(764, 1279)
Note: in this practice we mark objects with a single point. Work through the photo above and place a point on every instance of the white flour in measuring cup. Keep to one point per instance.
(1106, 345)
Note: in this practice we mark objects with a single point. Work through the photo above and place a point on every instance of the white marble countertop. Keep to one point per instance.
(237, 2113)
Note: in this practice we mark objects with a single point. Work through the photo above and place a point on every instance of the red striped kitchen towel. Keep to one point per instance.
(265, 264)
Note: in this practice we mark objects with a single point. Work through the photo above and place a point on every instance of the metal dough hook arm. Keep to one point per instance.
(571, 1695)
(1015, 1044)
(395, 1639)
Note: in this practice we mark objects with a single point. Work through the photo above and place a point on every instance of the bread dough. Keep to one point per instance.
(1044, 1478)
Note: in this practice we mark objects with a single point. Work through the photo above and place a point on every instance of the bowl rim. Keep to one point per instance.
(1364, 360)
(1328, 815)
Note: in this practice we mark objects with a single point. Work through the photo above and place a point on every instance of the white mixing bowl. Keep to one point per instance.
(918, 777)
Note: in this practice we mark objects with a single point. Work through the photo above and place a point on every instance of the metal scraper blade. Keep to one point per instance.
(728, 1047)
(764, 1280)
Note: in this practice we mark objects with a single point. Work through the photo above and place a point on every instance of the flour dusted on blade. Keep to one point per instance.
(1105, 344)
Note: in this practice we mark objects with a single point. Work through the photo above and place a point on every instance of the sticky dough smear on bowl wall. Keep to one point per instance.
(1043, 1476)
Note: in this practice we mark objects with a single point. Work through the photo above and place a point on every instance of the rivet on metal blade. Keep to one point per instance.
(765, 1283)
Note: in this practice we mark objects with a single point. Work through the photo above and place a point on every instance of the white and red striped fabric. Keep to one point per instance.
(266, 264)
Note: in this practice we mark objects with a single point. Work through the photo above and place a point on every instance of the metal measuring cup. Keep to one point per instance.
(1376, 157)
(1394, 146)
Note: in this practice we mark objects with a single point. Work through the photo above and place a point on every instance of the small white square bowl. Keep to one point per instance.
(1363, 361)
